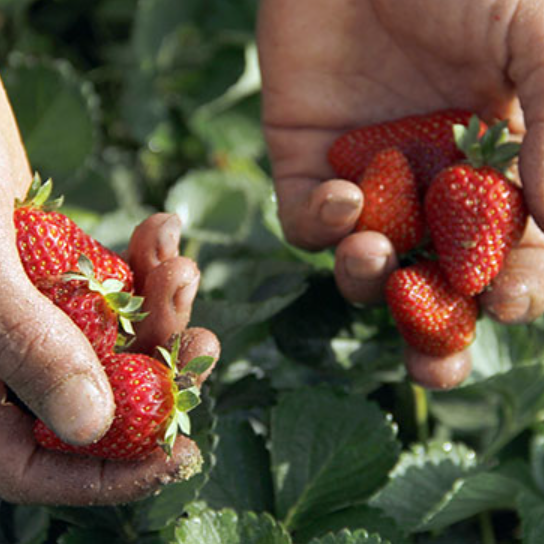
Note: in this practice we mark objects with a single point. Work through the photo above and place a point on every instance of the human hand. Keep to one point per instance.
(48, 363)
(329, 67)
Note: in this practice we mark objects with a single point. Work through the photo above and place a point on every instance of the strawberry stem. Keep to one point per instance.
(490, 149)
(124, 304)
(186, 392)
(421, 408)
(38, 196)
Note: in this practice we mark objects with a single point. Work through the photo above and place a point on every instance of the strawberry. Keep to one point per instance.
(392, 204)
(93, 306)
(50, 243)
(474, 213)
(430, 315)
(426, 140)
(43, 235)
(150, 407)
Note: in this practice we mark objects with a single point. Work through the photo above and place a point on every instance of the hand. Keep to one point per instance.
(331, 66)
(48, 363)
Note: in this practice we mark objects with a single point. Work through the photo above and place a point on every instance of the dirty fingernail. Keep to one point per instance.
(337, 211)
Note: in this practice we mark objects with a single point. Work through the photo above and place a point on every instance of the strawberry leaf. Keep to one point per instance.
(167, 356)
(439, 484)
(228, 527)
(347, 537)
(188, 399)
(241, 477)
(184, 423)
(492, 148)
(198, 365)
(329, 450)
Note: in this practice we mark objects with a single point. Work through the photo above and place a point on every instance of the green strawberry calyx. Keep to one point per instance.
(126, 305)
(491, 149)
(38, 196)
(186, 391)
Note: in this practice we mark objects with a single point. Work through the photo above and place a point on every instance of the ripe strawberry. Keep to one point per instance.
(43, 236)
(93, 306)
(474, 213)
(392, 205)
(430, 315)
(150, 407)
(426, 140)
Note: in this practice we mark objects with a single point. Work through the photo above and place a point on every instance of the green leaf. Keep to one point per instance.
(188, 399)
(241, 477)
(154, 20)
(316, 330)
(498, 348)
(347, 537)
(198, 365)
(531, 511)
(514, 397)
(226, 317)
(57, 115)
(442, 484)
(536, 457)
(329, 450)
(227, 527)
(115, 229)
(214, 206)
(354, 518)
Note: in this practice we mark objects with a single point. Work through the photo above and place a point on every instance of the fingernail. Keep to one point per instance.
(76, 410)
(172, 222)
(368, 268)
(339, 210)
(169, 235)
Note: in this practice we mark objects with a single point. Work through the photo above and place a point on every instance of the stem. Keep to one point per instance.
(486, 528)
(421, 408)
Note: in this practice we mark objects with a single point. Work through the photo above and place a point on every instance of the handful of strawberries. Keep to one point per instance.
(437, 183)
(94, 287)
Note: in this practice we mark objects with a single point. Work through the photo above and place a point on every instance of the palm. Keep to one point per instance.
(381, 60)
(331, 66)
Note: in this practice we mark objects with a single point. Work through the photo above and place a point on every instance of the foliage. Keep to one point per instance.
(308, 428)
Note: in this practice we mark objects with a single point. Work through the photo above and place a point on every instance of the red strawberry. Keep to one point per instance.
(430, 315)
(43, 236)
(106, 263)
(426, 140)
(87, 309)
(474, 213)
(392, 205)
(93, 306)
(150, 407)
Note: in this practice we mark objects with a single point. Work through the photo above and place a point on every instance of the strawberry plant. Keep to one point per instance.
(309, 429)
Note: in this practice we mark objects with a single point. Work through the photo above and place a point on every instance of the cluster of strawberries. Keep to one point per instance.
(94, 287)
(437, 186)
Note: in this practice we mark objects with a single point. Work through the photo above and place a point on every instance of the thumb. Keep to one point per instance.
(46, 360)
(526, 70)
